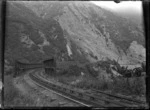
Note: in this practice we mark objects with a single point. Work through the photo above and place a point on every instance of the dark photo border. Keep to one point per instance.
(146, 22)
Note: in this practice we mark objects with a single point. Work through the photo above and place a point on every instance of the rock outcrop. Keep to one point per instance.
(76, 30)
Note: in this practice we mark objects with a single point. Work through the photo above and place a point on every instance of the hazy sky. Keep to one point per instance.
(133, 5)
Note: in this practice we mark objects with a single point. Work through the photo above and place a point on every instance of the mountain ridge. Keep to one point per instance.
(70, 30)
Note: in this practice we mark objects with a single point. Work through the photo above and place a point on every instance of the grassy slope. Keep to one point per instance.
(13, 97)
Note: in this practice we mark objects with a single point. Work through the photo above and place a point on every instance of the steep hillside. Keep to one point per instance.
(77, 30)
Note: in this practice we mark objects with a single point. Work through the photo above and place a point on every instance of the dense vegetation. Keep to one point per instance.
(124, 84)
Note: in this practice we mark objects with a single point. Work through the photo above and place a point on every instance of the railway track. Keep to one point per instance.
(120, 98)
(113, 97)
(58, 92)
(92, 99)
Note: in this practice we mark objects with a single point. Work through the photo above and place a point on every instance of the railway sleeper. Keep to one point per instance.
(116, 103)
(71, 91)
(91, 98)
(119, 97)
(64, 89)
(102, 103)
(127, 101)
(74, 93)
(106, 101)
(52, 99)
(80, 95)
(58, 87)
(67, 90)
(53, 85)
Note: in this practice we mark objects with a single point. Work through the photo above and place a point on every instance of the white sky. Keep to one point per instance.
(135, 5)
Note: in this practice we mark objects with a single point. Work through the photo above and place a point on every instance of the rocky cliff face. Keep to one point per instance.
(77, 30)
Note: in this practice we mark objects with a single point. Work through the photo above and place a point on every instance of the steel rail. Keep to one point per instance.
(96, 96)
(119, 97)
(91, 99)
(58, 92)
(76, 95)
(110, 96)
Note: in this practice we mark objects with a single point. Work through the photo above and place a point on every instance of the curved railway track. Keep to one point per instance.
(88, 99)
(121, 98)
(46, 85)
